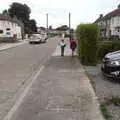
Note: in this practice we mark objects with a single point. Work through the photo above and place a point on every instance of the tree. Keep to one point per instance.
(5, 12)
(50, 27)
(63, 28)
(32, 25)
(22, 12)
(42, 28)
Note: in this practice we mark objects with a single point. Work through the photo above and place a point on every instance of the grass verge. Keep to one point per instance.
(106, 114)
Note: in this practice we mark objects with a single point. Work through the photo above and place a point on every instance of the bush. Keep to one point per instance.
(87, 35)
(107, 46)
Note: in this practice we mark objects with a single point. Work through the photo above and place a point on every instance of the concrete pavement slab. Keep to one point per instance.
(61, 92)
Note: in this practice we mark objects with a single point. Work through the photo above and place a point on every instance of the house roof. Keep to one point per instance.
(112, 14)
(115, 12)
(8, 18)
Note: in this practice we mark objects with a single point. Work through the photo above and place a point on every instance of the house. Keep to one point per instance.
(110, 24)
(10, 27)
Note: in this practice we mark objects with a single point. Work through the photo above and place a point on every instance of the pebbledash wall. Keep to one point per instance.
(10, 27)
(115, 25)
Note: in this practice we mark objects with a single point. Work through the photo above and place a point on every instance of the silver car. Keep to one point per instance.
(35, 38)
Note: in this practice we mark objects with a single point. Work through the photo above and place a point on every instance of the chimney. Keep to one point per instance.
(101, 15)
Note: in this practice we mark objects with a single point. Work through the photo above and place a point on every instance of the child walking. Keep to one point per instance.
(62, 45)
(73, 46)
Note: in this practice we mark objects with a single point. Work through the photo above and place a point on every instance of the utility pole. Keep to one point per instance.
(47, 21)
(69, 21)
(70, 25)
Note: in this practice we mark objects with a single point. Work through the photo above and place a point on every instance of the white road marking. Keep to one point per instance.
(22, 96)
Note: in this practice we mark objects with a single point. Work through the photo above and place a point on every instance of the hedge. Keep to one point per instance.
(87, 36)
(107, 46)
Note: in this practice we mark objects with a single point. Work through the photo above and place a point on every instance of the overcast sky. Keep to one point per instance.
(82, 11)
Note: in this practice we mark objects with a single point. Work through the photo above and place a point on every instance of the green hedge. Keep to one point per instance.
(87, 36)
(107, 46)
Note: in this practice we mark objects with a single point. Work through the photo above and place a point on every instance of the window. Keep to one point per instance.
(1, 31)
(8, 29)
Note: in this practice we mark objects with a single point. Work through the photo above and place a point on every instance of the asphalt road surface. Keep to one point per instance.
(18, 66)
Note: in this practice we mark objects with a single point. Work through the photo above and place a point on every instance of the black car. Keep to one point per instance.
(111, 65)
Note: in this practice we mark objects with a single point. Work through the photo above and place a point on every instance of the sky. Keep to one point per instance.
(82, 11)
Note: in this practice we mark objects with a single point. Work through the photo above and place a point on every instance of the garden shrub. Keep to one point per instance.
(87, 36)
(107, 46)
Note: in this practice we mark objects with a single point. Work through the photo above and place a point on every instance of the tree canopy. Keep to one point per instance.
(63, 28)
(42, 28)
(50, 27)
(5, 12)
(22, 13)
(32, 25)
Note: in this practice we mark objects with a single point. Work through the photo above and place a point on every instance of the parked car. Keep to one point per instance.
(111, 65)
(35, 38)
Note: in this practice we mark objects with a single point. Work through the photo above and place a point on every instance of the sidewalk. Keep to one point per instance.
(61, 92)
(4, 46)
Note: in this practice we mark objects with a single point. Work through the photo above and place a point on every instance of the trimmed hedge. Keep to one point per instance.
(107, 46)
(6, 39)
(87, 36)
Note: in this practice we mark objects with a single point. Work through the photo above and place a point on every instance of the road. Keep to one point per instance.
(17, 68)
